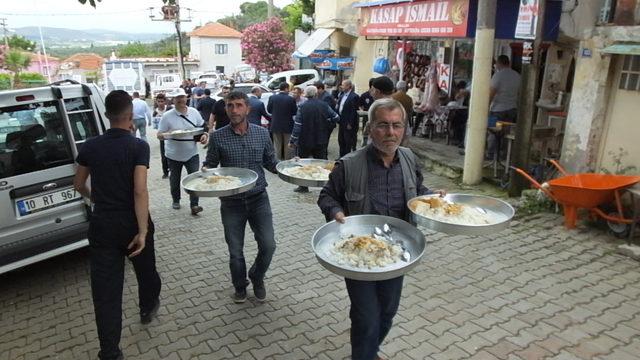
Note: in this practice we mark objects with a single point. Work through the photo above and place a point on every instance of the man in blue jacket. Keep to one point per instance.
(256, 107)
(282, 108)
(347, 108)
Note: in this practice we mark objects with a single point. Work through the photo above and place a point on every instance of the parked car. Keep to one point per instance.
(302, 78)
(43, 128)
(246, 88)
(244, 73)
(214, 80)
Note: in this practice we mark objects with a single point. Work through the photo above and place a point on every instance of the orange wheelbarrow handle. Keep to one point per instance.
(534, 182)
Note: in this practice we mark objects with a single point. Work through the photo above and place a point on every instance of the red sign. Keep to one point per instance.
(429, 18)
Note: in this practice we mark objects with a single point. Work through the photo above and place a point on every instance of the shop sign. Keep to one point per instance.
(336, 63)
(444, 75)
(527, 20)
(434, 18)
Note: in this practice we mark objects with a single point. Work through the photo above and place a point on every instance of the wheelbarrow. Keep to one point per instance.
(587, 191)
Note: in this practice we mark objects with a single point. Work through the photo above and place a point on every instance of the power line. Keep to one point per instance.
(75, 14)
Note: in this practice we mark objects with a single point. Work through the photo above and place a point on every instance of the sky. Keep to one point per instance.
(117, 15)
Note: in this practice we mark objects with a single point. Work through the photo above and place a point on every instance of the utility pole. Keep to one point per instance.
(270, 9)
(183, 71)
(529, 89)
(3, 23)
(172, 13)
(479, 105)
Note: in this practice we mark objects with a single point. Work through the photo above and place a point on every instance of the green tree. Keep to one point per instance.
(293, 18)
(16, 61)
(308, 6)
(134, 49)
(19, 42)
(250, 14)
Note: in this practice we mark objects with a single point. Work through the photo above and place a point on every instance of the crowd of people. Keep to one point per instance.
(379, 177)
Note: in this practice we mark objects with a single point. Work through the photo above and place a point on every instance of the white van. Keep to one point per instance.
(302, 78)
(165, 83)
(41, 132)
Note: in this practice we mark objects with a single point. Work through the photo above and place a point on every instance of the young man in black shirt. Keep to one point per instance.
(120, 223)
(219, 117)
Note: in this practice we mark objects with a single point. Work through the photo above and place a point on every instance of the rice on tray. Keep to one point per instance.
(366, 252)
(215, 183)
(439, 209)
(309, 172)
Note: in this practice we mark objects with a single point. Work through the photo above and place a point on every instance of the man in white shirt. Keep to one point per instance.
(141, 115)
(182, 152)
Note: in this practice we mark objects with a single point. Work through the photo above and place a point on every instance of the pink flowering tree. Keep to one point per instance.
(266, 47)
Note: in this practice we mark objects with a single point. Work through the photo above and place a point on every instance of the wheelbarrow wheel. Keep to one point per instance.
(619, 230)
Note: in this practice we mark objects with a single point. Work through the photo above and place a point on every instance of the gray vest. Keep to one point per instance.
(356, 180)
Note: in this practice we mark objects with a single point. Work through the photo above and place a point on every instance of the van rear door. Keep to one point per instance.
(41, 131)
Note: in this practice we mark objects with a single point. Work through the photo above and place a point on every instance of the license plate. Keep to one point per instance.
(33, 204)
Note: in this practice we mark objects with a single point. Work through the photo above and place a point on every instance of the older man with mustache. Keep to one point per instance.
(377, 179)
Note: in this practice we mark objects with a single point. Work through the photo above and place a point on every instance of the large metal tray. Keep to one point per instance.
(248, 178)
(325, 237)
(299, 181)
(499, 211)
(184, 135)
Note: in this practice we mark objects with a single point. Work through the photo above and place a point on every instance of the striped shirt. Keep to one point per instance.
(252, 150)
(385, 186)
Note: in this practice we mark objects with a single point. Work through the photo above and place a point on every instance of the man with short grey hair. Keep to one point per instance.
(311, 128)
(378, 179)
(310, 92)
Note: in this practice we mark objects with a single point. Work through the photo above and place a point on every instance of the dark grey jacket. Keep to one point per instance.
(346, 190)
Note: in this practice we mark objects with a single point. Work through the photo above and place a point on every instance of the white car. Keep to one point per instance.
(214, 80)
(246, 88)
(301, 78)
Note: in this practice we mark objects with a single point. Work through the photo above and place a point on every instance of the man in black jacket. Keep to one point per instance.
(256, 107)
(347, 108)
(282, 108)
(312, 128)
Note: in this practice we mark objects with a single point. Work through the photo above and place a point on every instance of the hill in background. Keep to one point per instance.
(61, 37)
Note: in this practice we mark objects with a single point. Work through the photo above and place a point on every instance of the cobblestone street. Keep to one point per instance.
(533, 291)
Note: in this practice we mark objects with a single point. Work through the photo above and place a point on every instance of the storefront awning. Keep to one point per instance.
(378, 3)
(312, 42)
(622, 49)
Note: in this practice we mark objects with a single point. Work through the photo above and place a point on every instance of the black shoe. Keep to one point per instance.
(165, 176)
(301, 189)
(119, 357)
(195, 210)
(259, 291)
(147, 316)
(239, 296)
